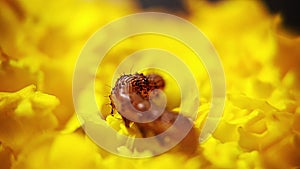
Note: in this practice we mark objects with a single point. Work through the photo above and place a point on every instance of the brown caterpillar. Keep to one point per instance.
(131, 98)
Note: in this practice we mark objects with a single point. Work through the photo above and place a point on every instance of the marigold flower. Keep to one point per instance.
(41, 40)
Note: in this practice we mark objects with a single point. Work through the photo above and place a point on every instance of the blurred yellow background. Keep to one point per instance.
(41, 40)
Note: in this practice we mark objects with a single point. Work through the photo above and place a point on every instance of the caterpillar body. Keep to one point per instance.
(132, 97)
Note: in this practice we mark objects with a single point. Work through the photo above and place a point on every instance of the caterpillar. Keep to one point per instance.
(132, 97)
